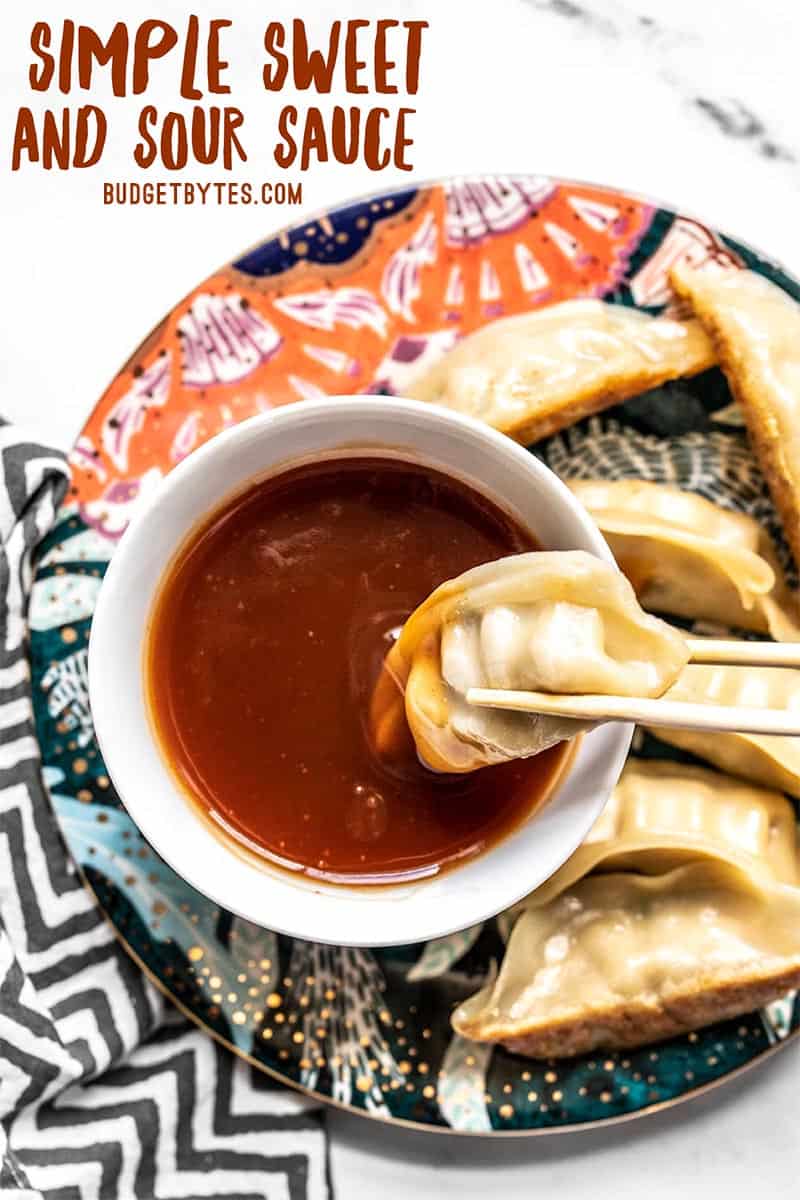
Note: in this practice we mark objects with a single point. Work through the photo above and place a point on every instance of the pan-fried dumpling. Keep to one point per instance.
(531, 375)
(558, 621)
(689, 557)
(662, 813)
(766, 759)
(623, 959)
(755, 328)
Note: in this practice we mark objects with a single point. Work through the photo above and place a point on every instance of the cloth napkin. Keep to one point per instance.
(105, 1090)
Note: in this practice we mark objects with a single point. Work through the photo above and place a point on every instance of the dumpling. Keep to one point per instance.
(622, 960)
(559, 621)
(662, 813)
(689, 557)
(768, 760)
(531, 375)
(755, 328)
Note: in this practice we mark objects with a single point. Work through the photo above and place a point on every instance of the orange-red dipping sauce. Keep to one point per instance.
(266, 641)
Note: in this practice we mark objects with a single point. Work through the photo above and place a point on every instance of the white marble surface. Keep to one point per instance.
(692, 103)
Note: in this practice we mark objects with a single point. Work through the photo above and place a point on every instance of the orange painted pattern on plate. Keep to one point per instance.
(238, 344)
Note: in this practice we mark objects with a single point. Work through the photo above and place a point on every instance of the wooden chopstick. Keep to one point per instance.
(673, 714)
(745, 654)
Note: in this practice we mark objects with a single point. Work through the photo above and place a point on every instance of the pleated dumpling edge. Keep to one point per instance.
(623, 960)
(559, 621)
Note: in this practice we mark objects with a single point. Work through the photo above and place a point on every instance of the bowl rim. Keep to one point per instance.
(611, 746)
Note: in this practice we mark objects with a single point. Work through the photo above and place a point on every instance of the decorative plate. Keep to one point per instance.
(356, 300)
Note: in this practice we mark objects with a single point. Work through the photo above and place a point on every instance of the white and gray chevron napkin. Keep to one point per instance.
(105, 1091)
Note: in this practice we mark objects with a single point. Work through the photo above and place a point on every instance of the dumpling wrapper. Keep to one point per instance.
(755, 328)
(534, 374)
(691, 558)
(663, 813)
(622, 960)
(765, 759)
(558, 621)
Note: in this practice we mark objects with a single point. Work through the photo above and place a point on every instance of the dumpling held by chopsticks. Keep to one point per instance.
(559, 621)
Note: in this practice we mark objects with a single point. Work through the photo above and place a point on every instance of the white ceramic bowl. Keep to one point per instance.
(413, 912)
